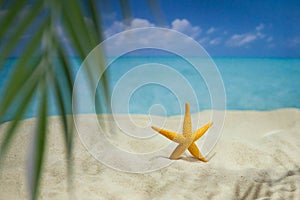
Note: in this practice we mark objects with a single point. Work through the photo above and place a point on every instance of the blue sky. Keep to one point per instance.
(244, 28)
(268, 28)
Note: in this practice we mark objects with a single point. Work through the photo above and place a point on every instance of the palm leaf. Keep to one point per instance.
(65, 108)
(80, 28)
(157, 12)
(38, 146)
(24, 70)
(45, 67)
(27, 97)
(27, 20)
(21, 73)
(125, 7)
(96, 18)
(9, 17)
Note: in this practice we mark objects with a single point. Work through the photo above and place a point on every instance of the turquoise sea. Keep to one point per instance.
(250, 84)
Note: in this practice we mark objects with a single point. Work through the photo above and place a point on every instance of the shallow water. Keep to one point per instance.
(250, 84)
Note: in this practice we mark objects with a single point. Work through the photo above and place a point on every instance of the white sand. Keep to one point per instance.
(258, 156)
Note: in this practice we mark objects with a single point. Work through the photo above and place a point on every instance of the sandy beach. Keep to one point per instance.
(257, 157)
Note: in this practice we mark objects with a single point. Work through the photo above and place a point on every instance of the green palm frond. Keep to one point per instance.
(44, 67)
(44, 64)
(39, 143)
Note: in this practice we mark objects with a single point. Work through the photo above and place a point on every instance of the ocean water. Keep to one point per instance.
(261, 83)
(249, 83)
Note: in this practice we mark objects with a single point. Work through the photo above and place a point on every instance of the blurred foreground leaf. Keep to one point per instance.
(46, 35)
(44, 68)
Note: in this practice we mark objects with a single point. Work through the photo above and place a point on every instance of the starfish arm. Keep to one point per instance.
(187, 123)
(168, 134)
(193, 149)
(180, 149)
(198, 133)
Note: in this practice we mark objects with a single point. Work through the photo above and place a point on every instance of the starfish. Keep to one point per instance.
(187, 139)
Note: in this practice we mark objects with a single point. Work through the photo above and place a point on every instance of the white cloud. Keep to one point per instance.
(238, 40)
(203, 40)
(181, 25)
(241, 39)
(215, 41)
(140, 23)
(260, 27)
(118, 26)
(184, 26)
(153, 38)
(211, 30)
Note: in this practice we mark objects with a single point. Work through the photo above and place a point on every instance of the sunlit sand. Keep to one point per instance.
(256, 157)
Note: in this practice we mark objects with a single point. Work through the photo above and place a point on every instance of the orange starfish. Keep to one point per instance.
(187, 139)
